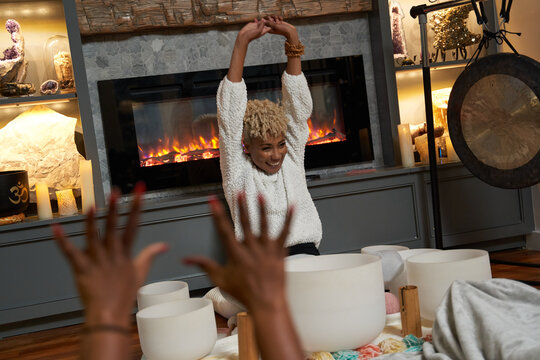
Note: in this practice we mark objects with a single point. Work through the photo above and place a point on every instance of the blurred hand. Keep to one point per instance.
(107, 277)
(279, 27)
(253, 30)
(254, 273)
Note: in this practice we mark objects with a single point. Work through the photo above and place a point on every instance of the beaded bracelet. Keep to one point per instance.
(294, 50)
(114, 328)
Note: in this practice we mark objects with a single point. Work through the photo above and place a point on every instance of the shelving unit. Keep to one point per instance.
(39, 21)
(434, 66)
(410, 92)
(33, 100)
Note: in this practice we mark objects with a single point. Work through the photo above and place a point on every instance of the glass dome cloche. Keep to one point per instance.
(58, 62)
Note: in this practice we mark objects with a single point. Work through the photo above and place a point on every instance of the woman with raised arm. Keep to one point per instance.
(262, 143)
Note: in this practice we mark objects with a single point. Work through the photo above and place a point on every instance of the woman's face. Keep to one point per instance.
(268, 153)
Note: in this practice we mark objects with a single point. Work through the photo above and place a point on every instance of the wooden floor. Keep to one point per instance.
(63, 343)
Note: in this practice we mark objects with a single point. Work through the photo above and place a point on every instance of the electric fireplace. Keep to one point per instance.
(163, 129)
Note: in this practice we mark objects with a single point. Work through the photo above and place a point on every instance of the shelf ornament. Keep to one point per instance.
(59, 65)
(41, 141)
(451, 32)
(12, 63)
(398, 34)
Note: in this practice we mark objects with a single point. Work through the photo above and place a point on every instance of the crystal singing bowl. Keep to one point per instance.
(336, 301)
(434, 272)
(401, 279)
(162, 291)
(177, 330)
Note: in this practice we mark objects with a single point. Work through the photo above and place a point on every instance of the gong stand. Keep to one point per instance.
(421, 11)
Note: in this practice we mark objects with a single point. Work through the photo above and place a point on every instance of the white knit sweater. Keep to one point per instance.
(288, 185)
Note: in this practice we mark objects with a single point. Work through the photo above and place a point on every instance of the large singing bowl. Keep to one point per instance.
(434, 272)
(336, 301)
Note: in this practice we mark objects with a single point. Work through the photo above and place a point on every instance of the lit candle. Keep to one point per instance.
(43, 201)
(66, 202)
(87, 185)
(450, 152)
(405, 145)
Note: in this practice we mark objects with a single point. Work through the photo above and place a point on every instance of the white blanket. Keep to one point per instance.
(492, 319)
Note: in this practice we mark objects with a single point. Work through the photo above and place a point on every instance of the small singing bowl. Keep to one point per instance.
(177, 330)
(336, 301)
(434, 272)
(14, 192)
(160, 292)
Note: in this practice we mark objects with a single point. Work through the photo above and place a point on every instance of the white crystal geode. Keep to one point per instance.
(41, 141)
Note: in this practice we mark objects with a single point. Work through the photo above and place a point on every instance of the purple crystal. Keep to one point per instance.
(49, 87)
(11, 53)
(12, 26)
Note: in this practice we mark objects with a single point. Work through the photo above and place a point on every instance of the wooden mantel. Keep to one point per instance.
(127, 16)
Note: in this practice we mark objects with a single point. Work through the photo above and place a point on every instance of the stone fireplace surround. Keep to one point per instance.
(175, 51)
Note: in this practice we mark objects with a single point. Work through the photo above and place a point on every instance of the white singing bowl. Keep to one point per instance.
(336, 301)
(374, 248)
(177, 330)
(160, 292)
(401, 279)
(434, 272)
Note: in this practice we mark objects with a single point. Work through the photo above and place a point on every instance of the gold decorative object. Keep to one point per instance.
(20, 194)
(66, 202)
(12, 219)
(451, 32)
(440, 105)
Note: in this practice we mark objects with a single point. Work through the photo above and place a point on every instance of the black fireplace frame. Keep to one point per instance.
(116, 97)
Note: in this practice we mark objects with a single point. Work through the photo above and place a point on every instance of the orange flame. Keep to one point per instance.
(171, 151)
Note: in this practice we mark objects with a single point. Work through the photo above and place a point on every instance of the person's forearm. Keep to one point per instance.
(105, 345)
(238, 57)
(294, 65)
(106, 335)
(275, 326)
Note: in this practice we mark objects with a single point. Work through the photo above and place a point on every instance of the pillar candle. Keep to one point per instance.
(43, 201)
(87, 185)
(405, 145)
(450, 152)
(66, 202)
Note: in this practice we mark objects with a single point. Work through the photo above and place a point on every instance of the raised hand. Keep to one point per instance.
(106, 276)
(279, 27)
(253, 30)
(254, 273)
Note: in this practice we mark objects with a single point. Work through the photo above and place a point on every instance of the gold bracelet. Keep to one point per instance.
(294, 50)
(114, 328)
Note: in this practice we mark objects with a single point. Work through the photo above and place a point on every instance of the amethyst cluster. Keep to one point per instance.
(11, 53)
(49, 87)
(12, 26)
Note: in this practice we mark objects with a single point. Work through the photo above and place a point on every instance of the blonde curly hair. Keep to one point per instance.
(263, 118)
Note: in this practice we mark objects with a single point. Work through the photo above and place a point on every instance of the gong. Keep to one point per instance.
(494, 120)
